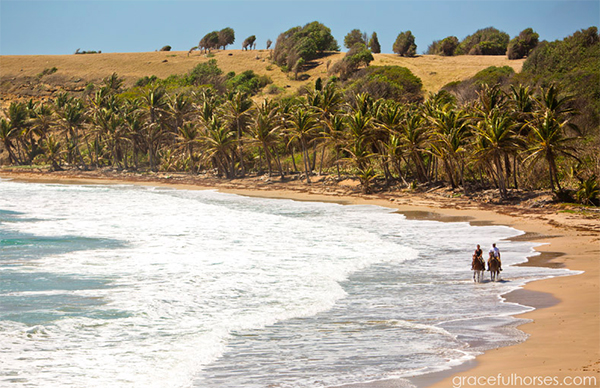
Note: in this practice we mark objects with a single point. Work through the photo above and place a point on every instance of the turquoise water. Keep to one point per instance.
(127, 286)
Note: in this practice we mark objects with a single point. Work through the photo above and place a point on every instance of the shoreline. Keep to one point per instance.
(563, 329)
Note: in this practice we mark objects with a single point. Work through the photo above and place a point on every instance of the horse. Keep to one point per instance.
(478, 267)
(494, 267)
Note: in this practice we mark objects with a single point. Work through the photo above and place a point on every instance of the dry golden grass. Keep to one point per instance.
(434, 71)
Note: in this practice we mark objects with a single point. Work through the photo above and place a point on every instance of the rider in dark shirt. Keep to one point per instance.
(479, 255)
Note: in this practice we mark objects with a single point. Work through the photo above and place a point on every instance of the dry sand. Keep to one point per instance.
(564, 330)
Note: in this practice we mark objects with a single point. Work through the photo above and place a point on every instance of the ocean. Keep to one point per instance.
(134, 286)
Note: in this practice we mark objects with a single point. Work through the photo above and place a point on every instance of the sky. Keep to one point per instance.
(62, 26)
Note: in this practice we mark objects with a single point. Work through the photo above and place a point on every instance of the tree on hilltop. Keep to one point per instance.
(354, 37)
(405, 44)
(226, 37)
(248, 42)
(374, 44)
(303, 42)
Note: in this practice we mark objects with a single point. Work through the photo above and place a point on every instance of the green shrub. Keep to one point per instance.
(389, 82)
(588, 191)
(445, 47)
(205, 73)
(274, 89)
(145, 81)
(493, 75)
(47, 71)
(487, 41)
(359, 55)
(248, 82)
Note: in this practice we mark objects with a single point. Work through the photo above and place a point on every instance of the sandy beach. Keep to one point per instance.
(563, 347)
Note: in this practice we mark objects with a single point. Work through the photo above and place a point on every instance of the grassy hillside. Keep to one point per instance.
(21, 75)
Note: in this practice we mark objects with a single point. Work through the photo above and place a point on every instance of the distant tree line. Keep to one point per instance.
(314, 38)
(487, 41)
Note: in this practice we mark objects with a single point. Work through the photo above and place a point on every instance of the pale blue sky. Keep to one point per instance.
(62, 26)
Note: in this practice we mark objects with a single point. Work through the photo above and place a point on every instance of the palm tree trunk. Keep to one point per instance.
(306, 162)
(294, 160)
(322, 158)
(501, 183)
(515, 172)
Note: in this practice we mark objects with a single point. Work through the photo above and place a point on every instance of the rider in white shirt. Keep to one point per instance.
(494, 251)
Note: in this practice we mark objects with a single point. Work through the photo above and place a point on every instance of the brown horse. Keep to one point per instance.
(478, 267)
(494, 268)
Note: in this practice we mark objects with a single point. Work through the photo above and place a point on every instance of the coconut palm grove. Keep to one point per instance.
(533, 130)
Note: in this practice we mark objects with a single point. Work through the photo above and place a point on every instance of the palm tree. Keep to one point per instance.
(490, 98)
(334, 136)
(326, 102)
(238, 111)
(360, 156)
(302, 129)
(179, 108)
(522, 103)
(394, 152)
(265, 132)
(42, 120)
(134, 126)
(114, 128)
(547, 141)
(551, 100)
(18, 116)
(153, 135)
(219, 144)
(155, 103)
(52, 148)
(415, 135)
(388, 117)
(452, 132)
(360, 126)
(187, 137)
(72, 117)
(7, 133)
(498, 137)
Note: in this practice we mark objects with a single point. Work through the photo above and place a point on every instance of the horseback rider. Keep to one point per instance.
(479, 255)
(495, 253)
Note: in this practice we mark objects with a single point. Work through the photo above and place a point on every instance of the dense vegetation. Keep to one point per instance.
(499, 129)
(303, 43)
(520, 46)
(487, 41)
